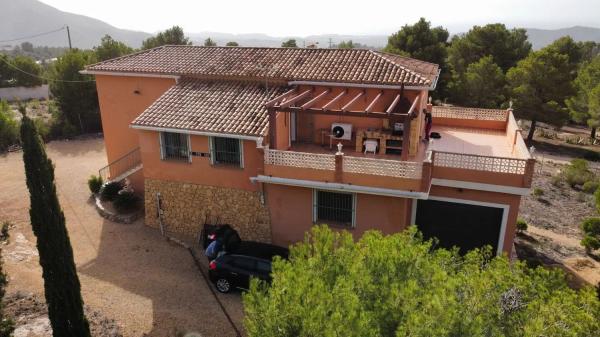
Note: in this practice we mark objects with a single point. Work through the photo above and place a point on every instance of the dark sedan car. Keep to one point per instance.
(251, 259)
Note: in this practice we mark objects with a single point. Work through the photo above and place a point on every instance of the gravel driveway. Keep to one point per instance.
(128, 272)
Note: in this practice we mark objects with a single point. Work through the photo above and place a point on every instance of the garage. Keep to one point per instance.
(466, 226)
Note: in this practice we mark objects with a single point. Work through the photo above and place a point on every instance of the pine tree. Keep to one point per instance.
(61, 284)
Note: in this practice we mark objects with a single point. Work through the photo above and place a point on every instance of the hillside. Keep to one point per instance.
(542, 37)
(263, 40)
(30, 17)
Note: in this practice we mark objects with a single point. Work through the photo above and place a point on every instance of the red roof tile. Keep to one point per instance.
(284, 64)
(229, 107)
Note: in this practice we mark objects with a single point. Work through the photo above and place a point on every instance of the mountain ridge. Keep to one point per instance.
(30, 17)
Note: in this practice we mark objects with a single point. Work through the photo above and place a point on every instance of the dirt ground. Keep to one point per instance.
(128, 273)
(554, 218)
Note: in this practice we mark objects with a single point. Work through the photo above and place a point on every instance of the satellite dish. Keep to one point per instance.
(338, 131)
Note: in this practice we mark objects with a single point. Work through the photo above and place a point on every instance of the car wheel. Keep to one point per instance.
(223, 285)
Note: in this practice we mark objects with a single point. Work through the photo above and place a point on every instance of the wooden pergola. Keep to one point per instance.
(312, 100)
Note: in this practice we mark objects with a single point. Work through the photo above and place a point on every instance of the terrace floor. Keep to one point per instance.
(454, 139)
(481, 142)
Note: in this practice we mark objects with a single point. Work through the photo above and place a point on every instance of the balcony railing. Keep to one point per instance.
(315, 161)
(383, 167)
(405, 174)
(469, 113)
(479, 163)
(350, 164)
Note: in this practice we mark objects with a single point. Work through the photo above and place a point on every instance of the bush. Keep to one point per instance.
(95, 184)
(556, 180)
(591, 234)
(126, 201)
(578, 172)
(590, 186)
(9, 128)
(110, 190)
(43, 127)
(521, 225)
(4, 235)
(538, 192)
(597, 198)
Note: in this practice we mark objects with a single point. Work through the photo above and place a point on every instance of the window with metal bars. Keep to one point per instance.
(334, 208)
(174, 146)
(226, 151)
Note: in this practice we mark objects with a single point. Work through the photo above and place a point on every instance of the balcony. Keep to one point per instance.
(476, 146)
(314, 163)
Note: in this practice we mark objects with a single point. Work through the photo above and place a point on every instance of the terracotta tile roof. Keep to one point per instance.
(230, 107)
(283, 64)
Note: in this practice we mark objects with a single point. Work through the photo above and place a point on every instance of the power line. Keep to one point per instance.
(32, 36)
(44, 78)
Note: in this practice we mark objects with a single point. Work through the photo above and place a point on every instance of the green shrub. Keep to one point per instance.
(578, 172)
(4, 235)
(538, 192)
(521, 225)
(34, 104)
(110, 190)
(126, 201)
(591, 234)
(590, 186)
(597, 199)
(43, 127)
(556, 180)
(95, 184)
(9, 128)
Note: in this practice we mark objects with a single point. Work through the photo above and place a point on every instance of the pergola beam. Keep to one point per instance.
(279, 98)
(315, 99)
(392, 106)
(335, 99)
(369, 108)
(319, 111)
(353, 100)
(295, 99)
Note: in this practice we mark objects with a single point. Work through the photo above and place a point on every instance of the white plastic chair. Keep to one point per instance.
(370, 146)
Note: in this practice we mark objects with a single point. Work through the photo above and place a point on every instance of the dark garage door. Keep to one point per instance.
(461, 225)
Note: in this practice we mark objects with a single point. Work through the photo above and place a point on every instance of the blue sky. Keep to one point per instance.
(306, 17)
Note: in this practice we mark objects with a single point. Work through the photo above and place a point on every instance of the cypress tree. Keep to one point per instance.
(61, 284)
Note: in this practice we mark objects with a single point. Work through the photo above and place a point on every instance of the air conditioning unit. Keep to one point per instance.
(341, 131)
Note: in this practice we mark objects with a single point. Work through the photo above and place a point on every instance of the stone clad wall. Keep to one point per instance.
(186, 206)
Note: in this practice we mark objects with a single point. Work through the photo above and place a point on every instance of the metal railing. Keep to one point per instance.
(119, 167)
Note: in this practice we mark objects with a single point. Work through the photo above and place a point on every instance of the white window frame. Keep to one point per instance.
(315, 207)
(211, 148)
(162, 151)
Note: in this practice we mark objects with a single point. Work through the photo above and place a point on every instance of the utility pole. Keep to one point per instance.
(329, 43)
(69, 36)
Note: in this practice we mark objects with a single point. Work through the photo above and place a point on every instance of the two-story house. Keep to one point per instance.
(275, 140)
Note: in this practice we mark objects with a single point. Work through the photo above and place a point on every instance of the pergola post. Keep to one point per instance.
(272, 128)
(406, 138)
